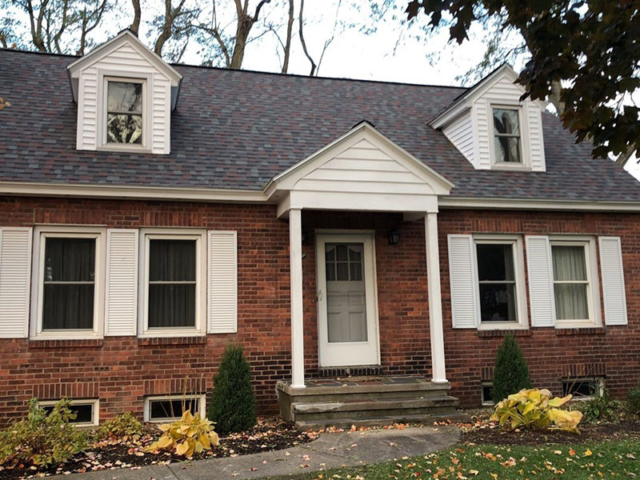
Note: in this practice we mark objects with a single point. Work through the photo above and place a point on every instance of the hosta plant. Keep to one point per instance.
(122, 427)
(536, 409)
(191, 434)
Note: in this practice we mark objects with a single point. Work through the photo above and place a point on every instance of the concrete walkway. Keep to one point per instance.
(330, 450)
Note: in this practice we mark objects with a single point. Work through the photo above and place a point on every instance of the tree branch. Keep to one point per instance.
(304, 44)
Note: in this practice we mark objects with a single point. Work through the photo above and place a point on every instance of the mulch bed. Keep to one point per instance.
(270, 434)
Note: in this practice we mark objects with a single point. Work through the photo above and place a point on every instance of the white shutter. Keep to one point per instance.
(122, 282)
(541, 294)
(223, 282)
(463, 281)
(15, 281)
(615, 302)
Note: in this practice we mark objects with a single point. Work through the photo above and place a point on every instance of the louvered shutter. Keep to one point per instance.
(223, 282)
(15, 281)
(615, 302)
(463, 285)
(122, 282)
(541, 294)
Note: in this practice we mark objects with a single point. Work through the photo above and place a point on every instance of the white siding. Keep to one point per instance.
(223, 282)
(15, 281)
(540, 281)
(536, 138)
(460, 133)
(613, 289)
(462, 277)
(122, 282)
(122, 62)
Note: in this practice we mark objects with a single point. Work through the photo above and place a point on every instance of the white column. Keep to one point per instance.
(435, 300)
(297, 327)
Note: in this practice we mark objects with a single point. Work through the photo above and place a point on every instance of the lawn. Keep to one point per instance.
(617, 459)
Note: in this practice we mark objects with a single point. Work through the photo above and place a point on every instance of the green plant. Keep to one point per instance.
(42, 438)
(191, 434)
(599, 408)
(511, 373)
(633, 401)
(233, 404)
(535, 409)
(125, 426)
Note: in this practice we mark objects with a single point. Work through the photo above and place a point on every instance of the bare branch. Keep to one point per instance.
(304, 44)
(137, 15)
(287, 46)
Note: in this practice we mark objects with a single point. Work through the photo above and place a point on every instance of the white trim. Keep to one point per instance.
(199, 236)
(436, 334)
(522, 322)
(202, 407)
(544, 205)
(593, 290)
(360, 353)
(39, 243)
(297, 298)
(95, 412)
(523, 127)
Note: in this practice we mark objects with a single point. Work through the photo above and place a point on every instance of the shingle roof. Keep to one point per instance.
(238, 129)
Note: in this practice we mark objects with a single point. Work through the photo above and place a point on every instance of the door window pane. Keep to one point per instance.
(496, 276)
(172, 283)
(124, 112)
(571, 285)
(69, 284)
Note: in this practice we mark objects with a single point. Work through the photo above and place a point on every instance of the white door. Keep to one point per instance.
(347, 313)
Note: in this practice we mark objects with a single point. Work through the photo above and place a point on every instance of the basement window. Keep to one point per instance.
(169, 408)
(487, 396)
(582, 388)
(87, 411)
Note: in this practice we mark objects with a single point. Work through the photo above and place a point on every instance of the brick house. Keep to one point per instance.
(375, 235)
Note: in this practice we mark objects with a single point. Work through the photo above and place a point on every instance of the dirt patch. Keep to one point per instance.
(270, 434)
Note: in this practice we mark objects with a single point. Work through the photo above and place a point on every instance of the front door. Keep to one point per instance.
(347, 313)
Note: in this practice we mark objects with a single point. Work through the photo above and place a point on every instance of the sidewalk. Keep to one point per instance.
(330, 450)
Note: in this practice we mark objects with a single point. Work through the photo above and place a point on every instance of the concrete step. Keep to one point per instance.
(381, 421)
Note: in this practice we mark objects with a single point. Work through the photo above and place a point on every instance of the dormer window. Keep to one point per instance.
(506, 134)
(124, 112)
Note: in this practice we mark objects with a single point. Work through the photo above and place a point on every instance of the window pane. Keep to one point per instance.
(84, 413)
(70, 259)
(355, 253)
(172, 260)
(507, 149)
(498, 303)
(571, 301)
(331, 271)
(356, 272)
(506, 121)
(342, 253)
(68, 306)
(125, 97)
(172, 305)
(495, 262)
(122, 128)
(173, 408)
(569, 263)
(343, 272)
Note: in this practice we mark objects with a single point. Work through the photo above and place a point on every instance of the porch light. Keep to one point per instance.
(394, 237)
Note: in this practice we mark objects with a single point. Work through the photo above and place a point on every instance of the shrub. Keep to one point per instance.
(633, 401)
(124, 426)
(42, 439)
(511, 373)
(535, 409)
(233, 404)
(191, 434)
(599, 408)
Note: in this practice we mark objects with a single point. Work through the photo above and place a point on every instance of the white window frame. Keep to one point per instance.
(104, 77)
(518, 265)
(525, 163)
(200, 237)
(95, 414)
(593, 289)
(599, 381)
(37, 298)
(201, 397)
(486, 403)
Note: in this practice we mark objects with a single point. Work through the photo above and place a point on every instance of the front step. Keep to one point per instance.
(367, 402)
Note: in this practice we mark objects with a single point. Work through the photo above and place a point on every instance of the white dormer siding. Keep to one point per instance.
(468, 123)
(124, 59)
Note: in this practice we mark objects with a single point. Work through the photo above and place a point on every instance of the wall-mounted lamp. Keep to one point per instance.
(394, 237)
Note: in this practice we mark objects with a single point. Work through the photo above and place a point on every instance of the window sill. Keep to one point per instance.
(68, 343)
(510, 167)
(199, 339)
(123, 148)
(584, 330)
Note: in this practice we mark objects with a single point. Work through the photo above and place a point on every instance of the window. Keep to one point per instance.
(506, 131)
(168, 408)
(173, 275)
(582, 388)
(500, 286)
(124, 112)
(87, 411)
(487, 395)
(572, 285)
(68, 283)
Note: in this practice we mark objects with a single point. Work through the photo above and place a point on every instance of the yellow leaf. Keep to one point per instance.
(164, 441)
(214, 438)
(182, 448)
(588, 453)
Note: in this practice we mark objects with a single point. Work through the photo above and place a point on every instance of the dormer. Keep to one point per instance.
(493, 128)
(125, 95)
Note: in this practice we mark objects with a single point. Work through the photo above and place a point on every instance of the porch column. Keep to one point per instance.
(435, 301)
(297, 327)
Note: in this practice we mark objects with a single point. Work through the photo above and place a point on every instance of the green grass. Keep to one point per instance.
(491, 462)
